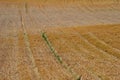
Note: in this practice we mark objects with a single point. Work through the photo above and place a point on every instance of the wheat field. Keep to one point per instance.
(59, 39)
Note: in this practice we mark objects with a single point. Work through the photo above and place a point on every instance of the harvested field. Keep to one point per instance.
(59, 40)
(78, 49)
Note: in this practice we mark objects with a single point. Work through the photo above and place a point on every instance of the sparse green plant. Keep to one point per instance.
(44, 36)
(51, 48)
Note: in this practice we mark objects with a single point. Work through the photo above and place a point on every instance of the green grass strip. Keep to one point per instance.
(51, 48)
(44, 36)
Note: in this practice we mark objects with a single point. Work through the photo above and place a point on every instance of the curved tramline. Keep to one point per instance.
(31, 68)
(36, 45)
(110, 35)
(14, 57)
(72, 58)
(102, 45)
(88, 53)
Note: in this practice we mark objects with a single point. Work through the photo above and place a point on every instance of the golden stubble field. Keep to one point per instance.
(93, 49)
(72, 40)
